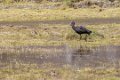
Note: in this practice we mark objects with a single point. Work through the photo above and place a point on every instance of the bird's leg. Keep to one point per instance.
(89, 36)
(80, 36)
(86, 37)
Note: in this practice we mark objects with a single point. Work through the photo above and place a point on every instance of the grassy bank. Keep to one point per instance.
(48, 72)
(58, 34)
(56, 14)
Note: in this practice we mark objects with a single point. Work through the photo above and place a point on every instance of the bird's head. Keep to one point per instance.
(72, 23)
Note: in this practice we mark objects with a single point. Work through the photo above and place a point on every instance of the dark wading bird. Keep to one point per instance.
(80, 30)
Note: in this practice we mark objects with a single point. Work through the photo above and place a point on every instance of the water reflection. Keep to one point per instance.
(108, 56)
(100, 57)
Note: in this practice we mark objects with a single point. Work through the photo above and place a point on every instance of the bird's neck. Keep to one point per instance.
(73, 26)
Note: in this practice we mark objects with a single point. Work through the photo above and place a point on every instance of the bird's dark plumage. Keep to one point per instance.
(80, 30)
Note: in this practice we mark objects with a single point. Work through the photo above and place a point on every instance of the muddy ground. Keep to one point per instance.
(91, 21)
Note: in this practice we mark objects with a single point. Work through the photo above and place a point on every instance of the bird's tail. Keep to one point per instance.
(89, 32)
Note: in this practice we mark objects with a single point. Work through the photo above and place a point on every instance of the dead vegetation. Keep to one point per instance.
(71, 3)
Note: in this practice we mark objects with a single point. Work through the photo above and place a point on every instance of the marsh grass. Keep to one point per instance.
(58, 34)
(49, 72)
(55, 14)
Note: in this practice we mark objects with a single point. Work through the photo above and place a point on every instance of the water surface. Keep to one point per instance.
(99, 57)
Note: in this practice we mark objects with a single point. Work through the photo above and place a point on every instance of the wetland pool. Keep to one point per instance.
(98, 57)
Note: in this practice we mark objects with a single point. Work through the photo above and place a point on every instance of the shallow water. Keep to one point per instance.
(99, 57)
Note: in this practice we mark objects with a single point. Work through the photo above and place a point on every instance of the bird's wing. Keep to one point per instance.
(78, 29)
(83, 29)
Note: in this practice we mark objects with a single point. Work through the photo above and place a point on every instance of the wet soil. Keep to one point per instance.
(87, 21)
